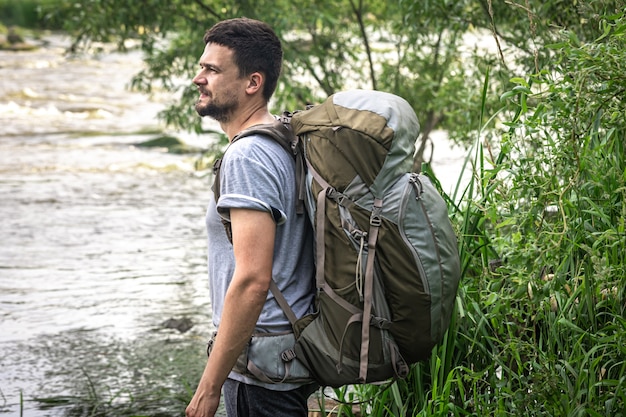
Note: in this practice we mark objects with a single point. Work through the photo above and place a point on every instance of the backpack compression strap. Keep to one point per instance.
(368, 290)
(368, 293)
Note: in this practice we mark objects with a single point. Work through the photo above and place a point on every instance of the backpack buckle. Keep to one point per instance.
(209, 346)
(375, 217)
(217, 165)
(332, 193)
(375, 221)
(288, 355)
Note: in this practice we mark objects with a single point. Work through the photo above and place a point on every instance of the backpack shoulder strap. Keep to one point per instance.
(279, 130)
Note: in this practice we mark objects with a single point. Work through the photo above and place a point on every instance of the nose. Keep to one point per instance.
(199, 80)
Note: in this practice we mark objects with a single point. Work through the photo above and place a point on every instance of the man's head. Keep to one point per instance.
(255, 46)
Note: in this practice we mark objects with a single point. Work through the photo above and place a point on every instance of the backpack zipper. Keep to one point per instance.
(414, 185)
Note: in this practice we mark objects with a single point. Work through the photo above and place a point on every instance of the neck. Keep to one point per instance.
(254, 115)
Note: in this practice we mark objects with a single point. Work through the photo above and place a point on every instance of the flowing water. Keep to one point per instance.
(100, 241)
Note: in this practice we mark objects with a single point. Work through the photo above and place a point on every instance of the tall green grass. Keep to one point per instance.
(540, 326)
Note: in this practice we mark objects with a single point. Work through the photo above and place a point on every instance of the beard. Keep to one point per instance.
(220, 111)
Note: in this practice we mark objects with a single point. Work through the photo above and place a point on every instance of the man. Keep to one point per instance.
(238, 74)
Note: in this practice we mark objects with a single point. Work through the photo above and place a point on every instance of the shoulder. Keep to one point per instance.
(257, 148)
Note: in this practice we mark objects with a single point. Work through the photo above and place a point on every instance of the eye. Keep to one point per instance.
(208, 68)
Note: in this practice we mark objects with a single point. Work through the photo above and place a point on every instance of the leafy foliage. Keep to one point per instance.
(543, 328)
(428, 52)
(540, 326)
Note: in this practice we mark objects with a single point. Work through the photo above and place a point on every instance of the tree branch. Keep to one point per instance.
(359, 16)
(432, 120)
(208, 9)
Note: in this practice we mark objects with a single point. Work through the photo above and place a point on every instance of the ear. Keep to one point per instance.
(255, 83)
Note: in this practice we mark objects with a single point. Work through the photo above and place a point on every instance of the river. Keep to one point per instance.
(101, 241)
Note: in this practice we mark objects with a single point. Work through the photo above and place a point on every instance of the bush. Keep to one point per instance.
(26, 13)
(541, 326)
(543, 331)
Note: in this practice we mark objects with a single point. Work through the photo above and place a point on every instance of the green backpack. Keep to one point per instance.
(387, 263)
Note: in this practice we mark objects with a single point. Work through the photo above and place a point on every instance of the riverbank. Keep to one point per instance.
(12, 39)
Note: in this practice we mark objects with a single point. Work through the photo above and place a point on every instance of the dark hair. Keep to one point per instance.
(255, 46)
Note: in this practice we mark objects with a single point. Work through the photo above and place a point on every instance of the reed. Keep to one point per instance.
(540, 325)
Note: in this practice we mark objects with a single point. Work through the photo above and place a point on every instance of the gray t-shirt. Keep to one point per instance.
(257, 174)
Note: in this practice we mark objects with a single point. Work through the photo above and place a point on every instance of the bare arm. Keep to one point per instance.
(253, 245)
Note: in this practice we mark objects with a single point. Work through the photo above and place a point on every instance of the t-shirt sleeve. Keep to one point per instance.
(250, 178)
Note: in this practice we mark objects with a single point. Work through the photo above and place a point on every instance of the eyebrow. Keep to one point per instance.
(207, 65)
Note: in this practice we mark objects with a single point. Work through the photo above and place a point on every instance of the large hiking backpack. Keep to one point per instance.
(386, 255)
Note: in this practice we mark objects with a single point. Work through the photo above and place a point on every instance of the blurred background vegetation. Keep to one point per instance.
(26, 13)
(535, 90)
